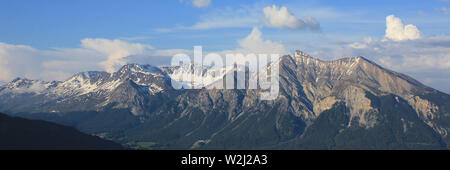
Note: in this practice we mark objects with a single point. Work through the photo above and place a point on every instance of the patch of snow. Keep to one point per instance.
(146, 70)
(155, 88)
(28, 86)
(111, 85)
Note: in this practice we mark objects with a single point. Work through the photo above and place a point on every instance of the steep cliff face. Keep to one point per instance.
(348, 80)
(336, 101)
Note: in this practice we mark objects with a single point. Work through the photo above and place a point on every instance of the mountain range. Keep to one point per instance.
(350, 103)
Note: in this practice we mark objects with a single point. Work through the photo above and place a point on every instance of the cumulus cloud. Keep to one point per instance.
(416, 55)
(408, 56)
(115, 50)
(281, 17)
(397, 31)
(426, 59)
(250, 16)
(254, 43)
(103, 54)
(54, 64)
(17, 60)
(60, 63)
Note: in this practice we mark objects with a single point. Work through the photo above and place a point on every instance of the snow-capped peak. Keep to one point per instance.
(139, 69)
(22, 85)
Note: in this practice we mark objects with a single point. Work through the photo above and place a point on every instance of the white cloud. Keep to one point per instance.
(426, 59)
(254, 43)
(54, 64)
(397, 31)
(5, 73)
(409, 56)
(98, 54)
(281, 17)
(245, 16)
(416, 55)
(115, 50)
(17, 60)
(201, 3)
(28, 62)
(61, 63)
(250, 16)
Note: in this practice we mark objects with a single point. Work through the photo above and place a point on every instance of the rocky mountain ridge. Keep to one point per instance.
(311, 90)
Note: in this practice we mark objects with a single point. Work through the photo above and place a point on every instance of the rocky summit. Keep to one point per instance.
(350, 103)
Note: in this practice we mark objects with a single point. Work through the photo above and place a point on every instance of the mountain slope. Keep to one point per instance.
(19, 133)
(351, 103)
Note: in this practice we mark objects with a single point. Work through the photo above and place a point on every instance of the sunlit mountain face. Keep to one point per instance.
(210, 74)
(321, 105)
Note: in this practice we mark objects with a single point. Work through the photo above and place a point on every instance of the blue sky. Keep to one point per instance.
(53, 23)
(50, 33)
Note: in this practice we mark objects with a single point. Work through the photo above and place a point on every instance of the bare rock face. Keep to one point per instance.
(360, 107)
(326, 82)
(314, 95)
(325, 104)
(424, 108)
(428, 112)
